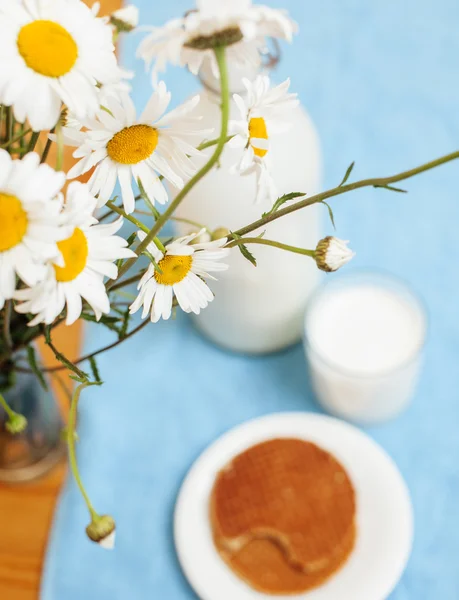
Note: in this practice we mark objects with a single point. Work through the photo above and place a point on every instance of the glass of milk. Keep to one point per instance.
(364, 336)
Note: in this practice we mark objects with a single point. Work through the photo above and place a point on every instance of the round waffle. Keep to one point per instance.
(291, 492)
(262, 564)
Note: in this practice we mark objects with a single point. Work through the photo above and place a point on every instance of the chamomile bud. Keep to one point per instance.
(202, 238)
(102, 531)
(219, 233)
(16, 423)
(332, 253)
(125, 19)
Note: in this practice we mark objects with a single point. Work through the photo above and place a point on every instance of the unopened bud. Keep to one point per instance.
(202, 238)
(220, 232)
(332, 253)
(16, 423)
(125, 19)
(102, 531)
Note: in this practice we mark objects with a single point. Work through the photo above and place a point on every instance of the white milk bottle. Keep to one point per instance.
(258, 309)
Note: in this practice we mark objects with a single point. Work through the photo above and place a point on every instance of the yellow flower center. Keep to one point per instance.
(174, 269)
(133, 144)
(13, 222)
(74, 251)
(47, 48)
(257, 129)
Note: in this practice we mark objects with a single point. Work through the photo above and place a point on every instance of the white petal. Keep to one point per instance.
(125, 179)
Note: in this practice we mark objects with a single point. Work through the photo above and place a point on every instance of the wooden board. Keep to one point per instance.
(26, 510)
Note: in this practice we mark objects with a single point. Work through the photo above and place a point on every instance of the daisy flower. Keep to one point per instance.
(53, 51)
(122, 146)
(87, 256)
(237, 24)
(30, 204)
(261, 112)
(183, 270)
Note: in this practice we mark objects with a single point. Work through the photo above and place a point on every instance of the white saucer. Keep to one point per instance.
(384, 512)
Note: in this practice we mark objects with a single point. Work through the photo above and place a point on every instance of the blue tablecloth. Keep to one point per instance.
(381, 82)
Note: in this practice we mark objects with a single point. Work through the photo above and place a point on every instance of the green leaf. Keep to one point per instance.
(63, 359)
(330, 212)
(109, 322)
(78, 379)
(105, 319)
(94, 369)
(282, 200)
(146, 199)
(131, 239)
(247, 254)
(32, 358)
(347, 174)
(392, 188)
(151, 258)
(244, 250)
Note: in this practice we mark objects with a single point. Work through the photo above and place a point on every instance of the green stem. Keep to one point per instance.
(33, 141)
(2, 118)
(136, 222)
(71, 448)
(211, 143)
(343, 189)
(130, 218)
(167, 214)
(17, 138)
(49, 142)
(190, 222)
(66, 363)
(105, 215)
(128, 281)
(9, 411)
(199, 226)
(22, 141)
(264, 242)
(9, 125)
(6, 324)
(146, 213)
(143, 194)
(60, 147)
(93, 354)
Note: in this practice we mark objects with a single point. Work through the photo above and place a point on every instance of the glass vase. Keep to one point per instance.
(39, 448)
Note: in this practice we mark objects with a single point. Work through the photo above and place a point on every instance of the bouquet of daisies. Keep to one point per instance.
(62, 257)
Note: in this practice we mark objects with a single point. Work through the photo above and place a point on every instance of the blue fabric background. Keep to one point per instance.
(380, 79)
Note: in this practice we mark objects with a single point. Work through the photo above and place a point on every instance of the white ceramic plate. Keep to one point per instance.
(384, 511)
